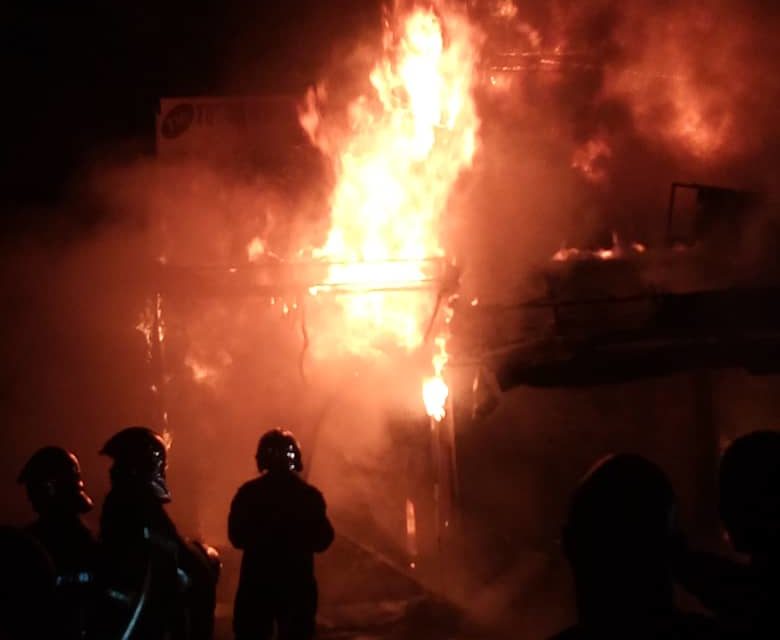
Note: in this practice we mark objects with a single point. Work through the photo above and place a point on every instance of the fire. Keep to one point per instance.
(591, 159)
(435, 389)
(395, 166)
(200, 371)
(255, 249)
(150, 323)
(616, 251)
(505, 9)
(144, 326)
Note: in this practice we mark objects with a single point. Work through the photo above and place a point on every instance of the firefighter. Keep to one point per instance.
(52, 478)
(160, 584)
(27, 590)
(744, 594)
(279, 521)
(620, 540)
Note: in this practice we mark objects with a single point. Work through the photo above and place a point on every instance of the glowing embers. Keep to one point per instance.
(618, 250)
(151, 325)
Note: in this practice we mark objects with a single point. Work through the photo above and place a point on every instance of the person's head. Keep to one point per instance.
(52, 477)
(620, 528)
(750, 492)
(140, 458)
(278, 450)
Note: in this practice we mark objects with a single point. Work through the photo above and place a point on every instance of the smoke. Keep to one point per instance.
(591, 109)
(599, 106)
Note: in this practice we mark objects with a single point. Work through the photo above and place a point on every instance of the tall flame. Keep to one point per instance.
(435, 390)
(395, 166)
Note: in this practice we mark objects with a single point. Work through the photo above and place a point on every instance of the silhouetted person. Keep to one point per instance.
(166, 585)
(56, 491)
(619, 540)
(744, 594)
(279, 521)
(27, 606)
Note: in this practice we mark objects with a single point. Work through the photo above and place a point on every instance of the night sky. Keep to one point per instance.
(82, 79)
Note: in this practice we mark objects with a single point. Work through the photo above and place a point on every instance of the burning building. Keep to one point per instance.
(377, 263)
(357, 311)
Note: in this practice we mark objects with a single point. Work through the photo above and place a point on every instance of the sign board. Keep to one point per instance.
(259, 129)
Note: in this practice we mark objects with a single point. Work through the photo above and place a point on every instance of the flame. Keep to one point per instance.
(617, 250)
(144, 326)
(201, 372)
(207, 371)
(411, 530)
(150, 319)
(255, 249)
(435, 390)
(591, 158)
(395, 166)
(505, 9)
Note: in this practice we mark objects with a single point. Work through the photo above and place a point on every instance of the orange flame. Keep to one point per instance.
(617, 250)
(395, 167)
(435, 390)
(255, 249)
(590, 159)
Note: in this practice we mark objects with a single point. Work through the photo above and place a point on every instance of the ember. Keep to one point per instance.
(617, 250)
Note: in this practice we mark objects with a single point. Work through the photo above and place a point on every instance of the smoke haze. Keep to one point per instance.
(588, 111)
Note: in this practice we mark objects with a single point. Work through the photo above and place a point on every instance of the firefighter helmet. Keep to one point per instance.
(750, 491)
(278, 450)
(53, 480)
(140, 457)
(624, 503)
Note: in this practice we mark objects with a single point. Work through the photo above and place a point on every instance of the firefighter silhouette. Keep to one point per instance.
(27, 590)
(744, 595)
(620, 540)
(159, 585)
(52, 478)
(279, 521)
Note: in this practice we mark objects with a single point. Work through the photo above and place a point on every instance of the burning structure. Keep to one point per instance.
(363, 307)
(627, 312)
(362, 303)
(291, 260)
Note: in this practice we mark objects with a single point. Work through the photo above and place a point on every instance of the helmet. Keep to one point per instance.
(52, 477)
(278, 450)
(140, 457)
(624, 506)
(750, 491)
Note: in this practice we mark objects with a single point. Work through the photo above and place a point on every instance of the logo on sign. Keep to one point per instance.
(177, 120)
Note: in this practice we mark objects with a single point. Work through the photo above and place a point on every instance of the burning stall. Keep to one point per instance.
(340, 328)
(336, 313)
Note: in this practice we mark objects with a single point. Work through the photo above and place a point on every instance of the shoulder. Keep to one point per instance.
(250, 488)
(24, 536)
(31, 530)
(695, 625)
(683, 625)
(311, 492)
(572, 633)
(26, 554)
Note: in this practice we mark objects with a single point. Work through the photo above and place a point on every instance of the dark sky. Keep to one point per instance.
(81, 79)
